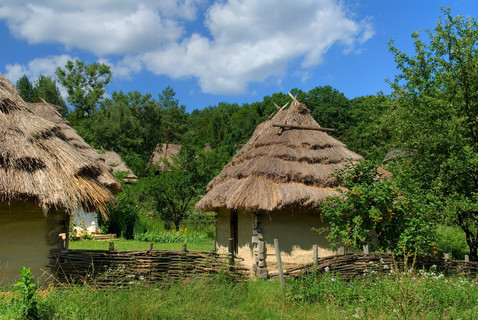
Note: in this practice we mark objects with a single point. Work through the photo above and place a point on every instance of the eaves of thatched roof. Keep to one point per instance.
(287, 163)
(40, 164)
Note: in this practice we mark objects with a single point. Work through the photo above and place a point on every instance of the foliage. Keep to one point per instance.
(371, 134)
(451, 239)
(370, 205)
(180, 236)
(45, 88)
(28, 290)
(123, 214)
(85, 84)
(437, 115)
(183, 181)
(25, 89)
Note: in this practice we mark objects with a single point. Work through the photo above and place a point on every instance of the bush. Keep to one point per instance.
(451, 239)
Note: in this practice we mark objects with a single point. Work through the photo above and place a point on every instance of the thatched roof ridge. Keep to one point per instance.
(280, 167)
(116, 164)
(38, 164)
(164, 152)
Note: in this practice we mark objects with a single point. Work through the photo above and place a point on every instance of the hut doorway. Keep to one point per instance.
(234, 230)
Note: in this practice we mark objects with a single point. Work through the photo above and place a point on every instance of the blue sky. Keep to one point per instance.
(234, 51)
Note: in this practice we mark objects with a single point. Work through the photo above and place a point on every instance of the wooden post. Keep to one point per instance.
(341, 251)
(112, 246)
(316, 255)
(279, 264)
(150, 246)
(447, 256)
(214, 246)
(231, 251)
(467, 258)
(365, 249)
(184, 247)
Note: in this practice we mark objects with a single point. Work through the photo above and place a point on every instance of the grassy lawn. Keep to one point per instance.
(122, 244)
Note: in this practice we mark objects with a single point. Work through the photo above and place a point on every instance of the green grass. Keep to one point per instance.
(122, 244)
(406, 296)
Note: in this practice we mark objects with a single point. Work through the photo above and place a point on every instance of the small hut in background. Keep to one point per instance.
(162, 153)
(117, 165)
(43, 177)
(271, 188)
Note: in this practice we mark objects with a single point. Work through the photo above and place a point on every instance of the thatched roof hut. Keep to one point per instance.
(42, 173)
(280, 167)
(162, 153)
(50, 112)
(274, 184)
(116, 164)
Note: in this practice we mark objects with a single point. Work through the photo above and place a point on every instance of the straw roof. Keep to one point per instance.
(50, 112)
(164, 152)
(280, 167)
(116, 164)
(41, 162)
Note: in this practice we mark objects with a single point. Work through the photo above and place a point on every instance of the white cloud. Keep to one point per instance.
(36, 67)
(102, 27)
(255, 40)
(247, 40)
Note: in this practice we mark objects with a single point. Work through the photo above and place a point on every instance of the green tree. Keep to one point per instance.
(371, 133)
(45, 88)
(25, 89)
(373, 206)
(174, 117)
(176, 189)
(85, 84)
(436, 96)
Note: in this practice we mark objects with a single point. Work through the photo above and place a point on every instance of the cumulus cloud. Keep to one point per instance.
(241, 41)
(36, 67)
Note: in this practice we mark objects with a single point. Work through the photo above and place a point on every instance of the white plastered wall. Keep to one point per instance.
(293, 229)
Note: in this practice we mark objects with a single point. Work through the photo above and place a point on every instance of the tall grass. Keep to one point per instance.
(405, 296)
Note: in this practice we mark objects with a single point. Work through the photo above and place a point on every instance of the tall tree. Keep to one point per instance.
(436, 96)
(25, 89)
(45, 88)
(85, 84)
(174, 117)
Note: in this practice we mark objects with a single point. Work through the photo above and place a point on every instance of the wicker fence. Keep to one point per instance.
(117, 268)
(363, 264)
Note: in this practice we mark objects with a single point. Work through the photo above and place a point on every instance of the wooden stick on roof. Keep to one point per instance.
(288, 126)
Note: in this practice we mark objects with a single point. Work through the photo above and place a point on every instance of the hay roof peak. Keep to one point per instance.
(286, 163)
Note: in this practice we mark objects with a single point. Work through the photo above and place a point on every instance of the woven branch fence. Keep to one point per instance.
(117, 268)
(361, 264)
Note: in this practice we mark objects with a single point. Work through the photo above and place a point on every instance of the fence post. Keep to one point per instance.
(150, 246)
(467, 258)
(231, 251)
(316, 254)
(341, 251)
(214, 246)
(184, 247)
(279, 264)
(112, 246)
(365, 249)
(447, 256)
